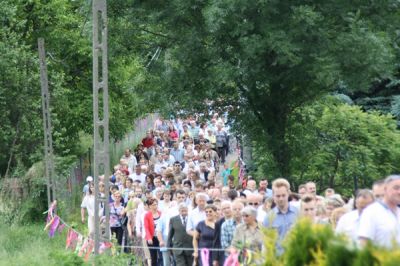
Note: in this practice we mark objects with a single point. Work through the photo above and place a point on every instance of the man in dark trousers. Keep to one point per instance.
(178, 238)
(218, 257)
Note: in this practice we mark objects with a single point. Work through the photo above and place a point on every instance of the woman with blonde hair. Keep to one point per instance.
(117, 212)
(131, 212)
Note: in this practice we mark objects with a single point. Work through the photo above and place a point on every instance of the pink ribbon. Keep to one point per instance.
(89, 249)
(232, 259)
(61, 228)
(104, 246)
(205, 254)
(72, 239)
(53, 225)
(79, 243)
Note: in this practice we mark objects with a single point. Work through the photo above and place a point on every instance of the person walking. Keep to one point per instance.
(151, 218)
(379, 222)
(117, 212)
(179, 238)
(203, 235)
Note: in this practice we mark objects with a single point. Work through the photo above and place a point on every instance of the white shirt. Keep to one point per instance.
(348, 225)
(139, 223)
(141, 178)
(261, 214)
(379, 224)
(88, 203)
(131, 161)
(195, 216)
(248, 192)
(159, 165)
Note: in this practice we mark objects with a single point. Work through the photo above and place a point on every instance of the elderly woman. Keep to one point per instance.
(248, 236)
(117, 212)
(204, 233)
(332, 203)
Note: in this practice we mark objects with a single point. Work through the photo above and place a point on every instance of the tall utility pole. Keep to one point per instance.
(48, 140)
(100, 118)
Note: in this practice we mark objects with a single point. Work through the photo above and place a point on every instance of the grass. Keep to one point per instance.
(30, 245)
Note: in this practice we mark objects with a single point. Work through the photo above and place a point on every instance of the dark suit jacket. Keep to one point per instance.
(218, 255)
(177, 236)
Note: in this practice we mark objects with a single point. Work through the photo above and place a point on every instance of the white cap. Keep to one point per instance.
(89, 179)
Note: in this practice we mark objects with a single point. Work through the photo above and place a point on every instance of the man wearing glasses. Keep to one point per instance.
(254, 200)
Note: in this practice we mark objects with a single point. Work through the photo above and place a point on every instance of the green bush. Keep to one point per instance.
(317, 245)
(304, 240)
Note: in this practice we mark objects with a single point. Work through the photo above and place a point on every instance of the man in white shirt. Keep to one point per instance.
(168, 158)
(138, 175)
(379, 222)
(160, 164)
(251, 188)
(130, 159)
(311, 188)
(348, 224)
(378, 188)
(198, 214)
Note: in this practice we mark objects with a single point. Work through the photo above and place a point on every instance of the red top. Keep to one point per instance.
(173, 135)
(149, 224)
(148, 142)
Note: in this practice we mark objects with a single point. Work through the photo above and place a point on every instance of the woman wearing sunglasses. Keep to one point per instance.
(204, 233)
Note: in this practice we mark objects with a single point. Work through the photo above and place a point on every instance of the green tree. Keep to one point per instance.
(65, 26)
(335, 143)
(261, 60)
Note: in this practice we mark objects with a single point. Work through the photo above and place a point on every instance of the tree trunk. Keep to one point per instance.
(277, 142)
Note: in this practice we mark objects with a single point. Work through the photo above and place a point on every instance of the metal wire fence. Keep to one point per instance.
(69, 194)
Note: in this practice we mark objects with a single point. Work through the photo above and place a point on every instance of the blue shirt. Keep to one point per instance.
(162, 226)
(282, 222)
(269, 193)
(178, 154)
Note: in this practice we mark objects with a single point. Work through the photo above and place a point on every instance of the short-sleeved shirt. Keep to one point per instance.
(194, 217)
(141, 178)
(227, 231)
(246, 237)
(348, 225)
(115, 215)
(206, 235)
(380, 224)
(88, 203)
(282, 222)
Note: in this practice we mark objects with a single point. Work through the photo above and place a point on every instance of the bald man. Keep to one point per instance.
(251, 188)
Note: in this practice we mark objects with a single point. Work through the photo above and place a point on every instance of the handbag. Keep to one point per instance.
(124, 220)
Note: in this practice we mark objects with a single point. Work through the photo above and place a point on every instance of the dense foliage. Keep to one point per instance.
(316, 244)
(265, 62)
(261, 60)
(337, 145)
(66, 28)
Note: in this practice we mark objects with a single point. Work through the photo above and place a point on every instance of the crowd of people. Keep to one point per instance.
(173, 201)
